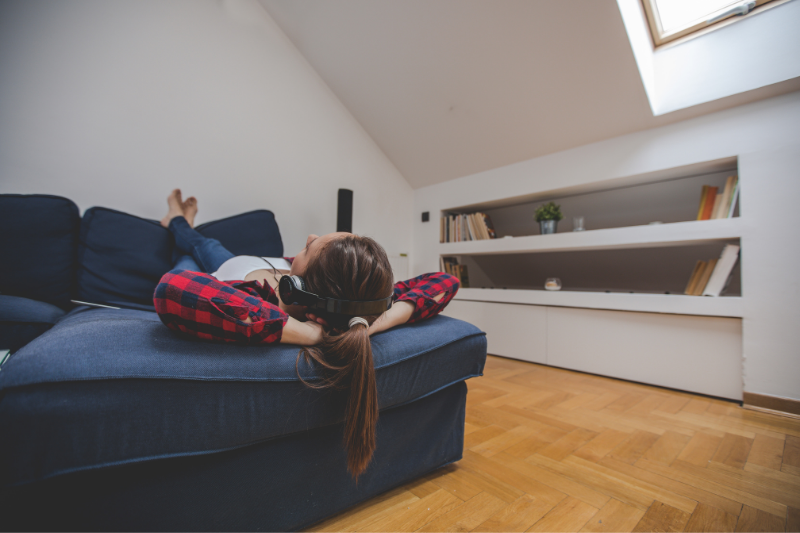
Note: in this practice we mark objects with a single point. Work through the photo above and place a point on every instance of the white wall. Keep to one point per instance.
(739, 55)
(114, 103)
(765, 136)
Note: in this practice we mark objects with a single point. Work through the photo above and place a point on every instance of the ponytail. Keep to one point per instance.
(347, 360)
(350, 268)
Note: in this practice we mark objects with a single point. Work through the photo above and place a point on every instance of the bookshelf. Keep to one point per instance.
(623, 280)
(695, 232)
(625, 263)
(639, 302)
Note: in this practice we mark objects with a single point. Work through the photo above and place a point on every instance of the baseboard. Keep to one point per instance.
(772, 403)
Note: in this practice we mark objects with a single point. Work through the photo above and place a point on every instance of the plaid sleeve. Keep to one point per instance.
(198, 304)
(421, 292)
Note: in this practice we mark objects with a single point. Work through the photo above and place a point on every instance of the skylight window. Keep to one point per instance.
(672, 19)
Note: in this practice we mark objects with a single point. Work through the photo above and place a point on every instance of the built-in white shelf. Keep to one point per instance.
(724, 306)
(661, 235)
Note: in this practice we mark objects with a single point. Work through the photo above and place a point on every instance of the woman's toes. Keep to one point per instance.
(175, 199)
(175, 203)
(190, 209)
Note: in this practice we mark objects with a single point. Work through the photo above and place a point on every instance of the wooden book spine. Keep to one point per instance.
(703, 281)
(710, 199)
(722, 210)
(698, 269)
(702, 202)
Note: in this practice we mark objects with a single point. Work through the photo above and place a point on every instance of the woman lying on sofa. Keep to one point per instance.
(213, 295)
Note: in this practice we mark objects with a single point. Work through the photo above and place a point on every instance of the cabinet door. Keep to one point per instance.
(692, 353)
(516, 331)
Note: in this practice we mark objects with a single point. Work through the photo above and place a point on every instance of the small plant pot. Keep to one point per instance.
(548, 226)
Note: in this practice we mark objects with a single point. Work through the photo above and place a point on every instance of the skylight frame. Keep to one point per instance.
(661, 38)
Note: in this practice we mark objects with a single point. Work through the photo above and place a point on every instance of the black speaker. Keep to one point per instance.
(344, 211)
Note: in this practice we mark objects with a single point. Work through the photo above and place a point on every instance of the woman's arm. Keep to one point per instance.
(198, 304)
(417, 299)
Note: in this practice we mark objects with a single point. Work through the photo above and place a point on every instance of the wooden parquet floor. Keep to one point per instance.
(553, 450)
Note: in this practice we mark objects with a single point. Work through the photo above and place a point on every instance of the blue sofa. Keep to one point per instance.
(110, 421)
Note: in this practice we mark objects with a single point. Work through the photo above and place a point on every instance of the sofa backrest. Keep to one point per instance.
(122, 257)
(38, 243)
(48, 253)
(252, 233)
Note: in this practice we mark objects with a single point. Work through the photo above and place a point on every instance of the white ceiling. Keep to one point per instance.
(448, 88)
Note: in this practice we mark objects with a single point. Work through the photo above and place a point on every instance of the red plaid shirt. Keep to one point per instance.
(200, 305)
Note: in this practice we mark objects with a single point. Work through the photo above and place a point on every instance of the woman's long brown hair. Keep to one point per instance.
(350, 268)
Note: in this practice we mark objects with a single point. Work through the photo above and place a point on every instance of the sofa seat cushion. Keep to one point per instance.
(38, 246)
(23, 319)
(252, 233)
(107, 387)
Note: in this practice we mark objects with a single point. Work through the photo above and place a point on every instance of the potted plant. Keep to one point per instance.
(547, 216)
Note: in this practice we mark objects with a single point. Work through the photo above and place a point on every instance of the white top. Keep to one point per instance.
(237, 268)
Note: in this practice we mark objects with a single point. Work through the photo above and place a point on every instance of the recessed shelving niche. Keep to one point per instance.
(622, 261)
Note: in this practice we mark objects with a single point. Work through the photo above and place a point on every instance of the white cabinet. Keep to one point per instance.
(700, 354)
(517, 331)
(692, 353)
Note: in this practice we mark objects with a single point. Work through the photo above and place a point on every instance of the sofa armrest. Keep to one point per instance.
(23, 319)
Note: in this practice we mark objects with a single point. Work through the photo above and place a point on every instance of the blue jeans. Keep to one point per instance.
(194, 251)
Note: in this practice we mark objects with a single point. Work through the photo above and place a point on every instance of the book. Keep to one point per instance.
(696, 273)
(704, 277)
(711, 197)
(481, 225)
(722, 271)
(734, 198)
(489, 226)
(466, 227)
(448, 265)
(473, 229)
(717, 205)
(722, 209)
(463, 276)
(702, 202)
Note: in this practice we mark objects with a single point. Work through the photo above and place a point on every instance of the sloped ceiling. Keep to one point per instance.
(448, 88)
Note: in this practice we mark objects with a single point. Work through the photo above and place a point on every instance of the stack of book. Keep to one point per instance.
(716, 204)
(449, 265)
(471, 227)
(711, 278)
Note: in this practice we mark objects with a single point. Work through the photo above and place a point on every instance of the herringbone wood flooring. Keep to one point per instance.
(554, 450)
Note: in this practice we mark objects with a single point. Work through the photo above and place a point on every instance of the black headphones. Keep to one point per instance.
(293, 292)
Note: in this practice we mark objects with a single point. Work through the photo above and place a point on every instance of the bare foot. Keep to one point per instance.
(190, 209)
(175, 203)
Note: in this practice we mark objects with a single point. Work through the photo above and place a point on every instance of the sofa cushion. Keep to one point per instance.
(38, 246)
(121, 257)
(108, 387)
(23, 319)
(16, 309)
(251, 233)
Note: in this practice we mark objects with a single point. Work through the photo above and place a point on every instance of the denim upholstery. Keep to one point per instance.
(37, 247)
(251, 233)
(109, 421)
(96, 363)
(121, 257)
(281, 484)
(23, 319)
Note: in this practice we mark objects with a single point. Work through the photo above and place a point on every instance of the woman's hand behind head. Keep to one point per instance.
(302, 333)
